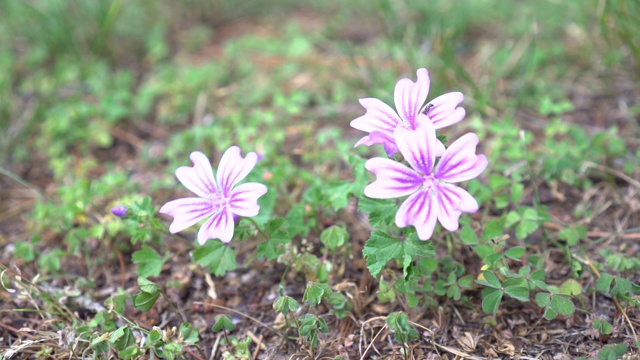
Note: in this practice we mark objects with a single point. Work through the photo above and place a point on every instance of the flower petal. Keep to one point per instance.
(409, 96)
(186, 212)
(421, 211)
(199, 177)
(379, 117)
(219, 226)
(460, 162)
(244, 199)
(392, 179)
(418, 146)
(452, 202)
(445, 111)
(377, 137)
(233, 168)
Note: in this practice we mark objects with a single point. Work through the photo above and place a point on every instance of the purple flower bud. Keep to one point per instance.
(119, 211)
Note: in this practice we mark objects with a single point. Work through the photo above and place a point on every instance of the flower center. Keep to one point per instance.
(219, 201)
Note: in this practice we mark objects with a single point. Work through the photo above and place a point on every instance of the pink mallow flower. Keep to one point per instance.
(432, 195)
(380, 120)
(219, 201)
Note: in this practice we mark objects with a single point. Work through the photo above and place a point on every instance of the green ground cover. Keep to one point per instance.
(100, 103)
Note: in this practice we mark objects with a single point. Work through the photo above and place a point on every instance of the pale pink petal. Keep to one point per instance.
(244, 199)
(376, 137)
(219, 226)
(444, 111)
(418, 146)
(460, 162)
(409, 96)
(452, 202)
(187, 212)
(199, 177)
(392, 179)
(233, 168)
(379, 117)
(421, 211)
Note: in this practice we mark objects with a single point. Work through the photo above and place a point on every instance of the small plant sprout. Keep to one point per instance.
(219, 200)
(380, 120)
(432, 193)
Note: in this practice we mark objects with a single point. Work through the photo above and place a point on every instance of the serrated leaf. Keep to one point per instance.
(148, 260)
(381, 212)
(334, 237)
(285, 304)
(278, 237)
(223, 322)
(518, 292)
(315, 292)
(379, 250)
(491, 302)
(217, 256)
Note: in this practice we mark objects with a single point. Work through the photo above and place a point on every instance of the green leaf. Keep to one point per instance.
(493, 229)
(489, 279)
(145, 301)
(572, 234)
(603, 327)
(315, 292)
(334, 237)
(562, 305)
(515, 253)
(467, 234)
(517, 190)
(543, 299)
(528, 224)
(117, 303)
(223, 322)
(518, 292)
(189, 334)
(285, 304)
(571, 287)
(278, 237)
(491, 302)
(398, 323)
(379, 250)
(148, 286)
(148, 260)
(603, 284)
(216, 255)
(130, 353)
(381, 212)
(155, 335)
(122, 338)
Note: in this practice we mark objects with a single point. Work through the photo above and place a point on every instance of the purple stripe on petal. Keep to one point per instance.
(244, 199)
(379, 117)
(421, 211)
(409, 96)
(459, 162)
(219, 226)
(418, 146)
(453, 201)
(444, 110)
(187, 212)
(233, 168)
(199, 177)
(392, 179)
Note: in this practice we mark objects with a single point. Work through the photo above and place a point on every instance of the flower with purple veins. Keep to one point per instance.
(432, 195)
(119, 211)
(219, 200)
(380, 120)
